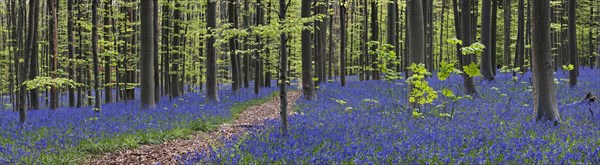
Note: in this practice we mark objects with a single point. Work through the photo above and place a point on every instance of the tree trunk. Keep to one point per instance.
(519, 56)
(246, 65)
(258, 61)
(308, 87)
(231, 12)
(507, 41)
(176, 56)
(283, 67)
(343, 42)
(211, 56)
(156, 51)
(365, 38)
(416, 34)
(468, 84)
(71, 51)
(374, 38)
(53, 51)
(544, 92)
(107, 56)
(494, 37)
(486, 57)
(147, 55)
(573, 43)
(34, 59)
(95, 56)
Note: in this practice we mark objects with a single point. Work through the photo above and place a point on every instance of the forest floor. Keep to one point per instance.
(169, 152)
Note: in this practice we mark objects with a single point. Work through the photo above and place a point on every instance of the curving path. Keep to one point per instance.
(168, 152)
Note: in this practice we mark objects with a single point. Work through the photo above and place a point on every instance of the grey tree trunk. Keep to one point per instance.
(544, 92)
(507, 41)
(211, 56)
(231, 12)
(573, 43)
(155, 53)
(375, 38)
(283, 67)
(520, 47)
(107, 56)
(416, 34)
(97, 96)
(308, 87)
(344, 42)
(147, 55)
(468, 83)
(494, 37)
(176, 56)
(486, 57)
(71, 51)
(34, 55)
(54, 98)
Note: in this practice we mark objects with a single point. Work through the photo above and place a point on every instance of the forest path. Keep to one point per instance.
(168, 152)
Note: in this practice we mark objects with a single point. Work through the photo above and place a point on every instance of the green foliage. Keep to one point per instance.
(446, 69)
(47, 82)
(421, 92)
(473, 49)
(472, 70)
(569, 67)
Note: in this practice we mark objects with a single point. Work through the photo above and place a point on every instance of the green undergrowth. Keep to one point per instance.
(91, 148)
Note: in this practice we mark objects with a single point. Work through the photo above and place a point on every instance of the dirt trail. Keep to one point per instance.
(167, 152)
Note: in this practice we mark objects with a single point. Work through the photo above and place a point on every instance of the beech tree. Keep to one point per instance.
(308, 87)
(211, 56)
(147, 55)
(544, 92)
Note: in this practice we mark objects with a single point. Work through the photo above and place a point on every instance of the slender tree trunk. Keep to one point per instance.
(71, 51)
(211, 57)
(107, 56)
(486, 57)
(374, 37)
(156, 51)
(308, 87)
(468, 83)
(365, 38)
(343, 42)
(573, 43)
(283, 67)
(95, 55)
(494, 36)
(258, 62)
(519, 56)
(176, 56)
(391, 25)
(544, 92)
(34, 54)
(331, 47)
(246, 66)
(231, 12)
(53, 51)
(507, 41)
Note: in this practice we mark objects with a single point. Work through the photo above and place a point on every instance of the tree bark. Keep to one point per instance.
(374, 38)
(53, 51)
(416, 34)
(211, 57)
(343, 43)
(507, 41)
(544, 92)
(97, 95)
(283, 67)
(308, 87)
(486, 57)
(468, 83)
(71, 51)
(107, 56)
(494, 37)
(176, 56)
(147, 55)
(573, 43)
(519, 56)
(156, 51)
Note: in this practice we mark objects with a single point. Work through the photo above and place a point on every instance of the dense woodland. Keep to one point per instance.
(62, 54)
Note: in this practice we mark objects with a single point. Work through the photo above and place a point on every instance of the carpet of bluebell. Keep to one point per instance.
(53, 132)
(369, 123)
